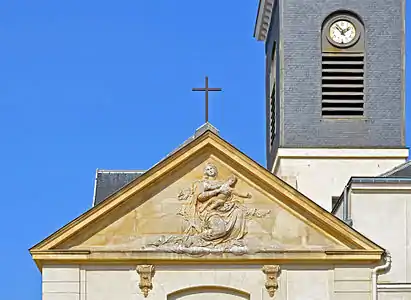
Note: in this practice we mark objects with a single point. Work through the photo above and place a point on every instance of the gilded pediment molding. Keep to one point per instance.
(254, 217)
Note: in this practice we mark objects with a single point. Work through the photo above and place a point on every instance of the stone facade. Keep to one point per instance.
(381, 199)
(345, 157)
(107, 282)
(332, 168)
(62, 282)
(206, 222)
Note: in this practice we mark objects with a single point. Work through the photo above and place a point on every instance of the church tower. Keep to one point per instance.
(334, 90)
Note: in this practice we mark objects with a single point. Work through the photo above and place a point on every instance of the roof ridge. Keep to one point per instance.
(396, 169)
(120, 171)
(111, 187)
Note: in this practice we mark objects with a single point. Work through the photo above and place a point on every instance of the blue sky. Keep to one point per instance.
(104, 84)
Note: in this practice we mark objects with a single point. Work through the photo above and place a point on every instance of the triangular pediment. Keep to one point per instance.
(207, 200)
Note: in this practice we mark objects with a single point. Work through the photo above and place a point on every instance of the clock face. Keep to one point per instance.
(342, 32)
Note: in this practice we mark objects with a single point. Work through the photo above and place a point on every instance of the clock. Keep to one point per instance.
(343, 33)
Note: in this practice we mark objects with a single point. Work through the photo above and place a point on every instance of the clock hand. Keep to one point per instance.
(346, 30)
(339, 28)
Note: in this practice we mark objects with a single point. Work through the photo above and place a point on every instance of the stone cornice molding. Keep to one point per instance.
(262, 23)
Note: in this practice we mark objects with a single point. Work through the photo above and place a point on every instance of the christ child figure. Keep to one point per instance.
(226, 192)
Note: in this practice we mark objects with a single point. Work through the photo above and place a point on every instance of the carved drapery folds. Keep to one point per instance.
(146, 273)
(271, 284)
(214, 218)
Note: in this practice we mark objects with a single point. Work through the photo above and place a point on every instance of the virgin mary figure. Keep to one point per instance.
(217, 218)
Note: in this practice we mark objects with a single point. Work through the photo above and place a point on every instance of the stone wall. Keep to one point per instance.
(62, 282)
(388, 224)
(92, 282)
(321, 174)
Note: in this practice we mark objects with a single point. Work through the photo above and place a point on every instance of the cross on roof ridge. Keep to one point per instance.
(206, 89)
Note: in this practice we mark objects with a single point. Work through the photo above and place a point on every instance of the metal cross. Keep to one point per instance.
(206, 89)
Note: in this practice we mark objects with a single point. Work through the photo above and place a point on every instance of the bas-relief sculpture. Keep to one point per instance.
(208, 211)
(215, 219)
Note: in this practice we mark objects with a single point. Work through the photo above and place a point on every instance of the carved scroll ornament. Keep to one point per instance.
(146, 273)
(271, 284)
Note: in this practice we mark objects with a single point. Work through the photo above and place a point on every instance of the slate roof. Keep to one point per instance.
(203, 128)
(403, 171)
(110, 181)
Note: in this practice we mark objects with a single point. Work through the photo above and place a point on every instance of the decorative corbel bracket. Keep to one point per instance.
(146, 273)
(271, 284)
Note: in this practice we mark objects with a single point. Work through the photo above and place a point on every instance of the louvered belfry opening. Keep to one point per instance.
(342, 84)
(272, 116)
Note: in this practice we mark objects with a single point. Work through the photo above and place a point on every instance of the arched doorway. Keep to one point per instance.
(208, 292)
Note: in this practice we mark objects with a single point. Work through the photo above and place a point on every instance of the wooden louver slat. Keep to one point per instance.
(342, 85)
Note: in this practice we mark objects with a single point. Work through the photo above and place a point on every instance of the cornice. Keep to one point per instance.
(262, 23)
(140, 257)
